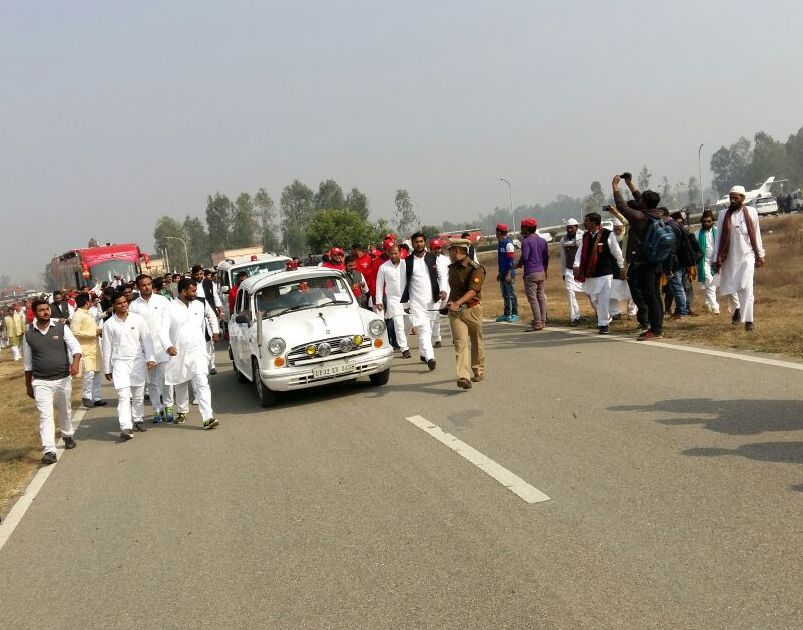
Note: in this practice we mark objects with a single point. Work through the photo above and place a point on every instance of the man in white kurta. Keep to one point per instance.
(203, 281)
(619, 288)
(127, 351)
(14, 323)
(709, 281)
(86, 330)
(188, 361)
(420, 297)
(155, 309)
(569, 245)
(390, 282)
(443, 262)
(737, 259)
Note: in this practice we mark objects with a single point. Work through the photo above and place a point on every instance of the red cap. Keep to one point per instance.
(529, 222)
(435, 242)
(389, 242)
(292, 265)
(335, 251)
(501, 227)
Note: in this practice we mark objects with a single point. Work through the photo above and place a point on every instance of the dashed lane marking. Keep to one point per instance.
(509, 480)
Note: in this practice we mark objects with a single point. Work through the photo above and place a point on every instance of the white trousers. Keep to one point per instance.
(615, 307)
(424, 325)
(130, 405)
(709, 288)
(599, 290)
(16, 355)
(48, 394)
(743, 300)
(401, 332)
(200, 386)
(210, 352)
(574, 307)
(161, 395)
(435, 324)
(90, 386)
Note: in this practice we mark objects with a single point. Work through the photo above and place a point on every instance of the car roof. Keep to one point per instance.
(255, 283)
(242, 260)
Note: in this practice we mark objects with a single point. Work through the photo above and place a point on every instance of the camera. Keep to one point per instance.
(626, 175)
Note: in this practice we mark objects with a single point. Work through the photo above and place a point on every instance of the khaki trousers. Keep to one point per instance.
(467, 326)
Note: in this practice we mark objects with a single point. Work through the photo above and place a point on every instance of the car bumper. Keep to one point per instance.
(301, 377)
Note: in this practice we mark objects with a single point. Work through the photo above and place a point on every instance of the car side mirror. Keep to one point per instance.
(242, 319)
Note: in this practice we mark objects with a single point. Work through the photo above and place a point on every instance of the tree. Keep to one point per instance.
(693, 190)
(405, 217)
(729, 166)
(430, 231)
(595, 201)
(219, 211)
(644, 178)
(244, 228)
(769, 158)
(197, 241)
(341, 228)
(329, 196)
(266, 215)
(173, 249)
(357, 202)
(666, 191)
(297, 208)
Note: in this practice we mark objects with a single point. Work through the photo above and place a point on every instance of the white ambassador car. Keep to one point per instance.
(303, 328)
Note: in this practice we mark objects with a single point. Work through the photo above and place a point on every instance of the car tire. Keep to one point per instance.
(241, 378)
(267, 398)
(380, 378)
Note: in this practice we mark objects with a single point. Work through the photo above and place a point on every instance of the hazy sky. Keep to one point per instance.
(114, 113)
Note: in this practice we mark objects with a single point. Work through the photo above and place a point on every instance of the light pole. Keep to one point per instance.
(512, 211)
(186, 256)
(700, 167)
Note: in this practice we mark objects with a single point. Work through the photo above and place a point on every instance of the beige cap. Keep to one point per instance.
(460, 242)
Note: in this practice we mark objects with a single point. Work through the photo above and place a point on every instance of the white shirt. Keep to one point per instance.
(738, 269)
(187, 334)
(443, 275)
(156, 312)
(126, 346)
(391, 281)
(73, 347)
(613, 245)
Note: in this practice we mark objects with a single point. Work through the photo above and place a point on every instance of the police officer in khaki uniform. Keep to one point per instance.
(465, 313)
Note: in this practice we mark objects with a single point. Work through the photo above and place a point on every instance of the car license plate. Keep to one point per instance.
(332, 369)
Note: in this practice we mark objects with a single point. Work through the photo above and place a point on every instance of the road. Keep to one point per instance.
(675, 481)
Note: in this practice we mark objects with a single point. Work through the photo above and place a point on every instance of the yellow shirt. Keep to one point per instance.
(85, 329)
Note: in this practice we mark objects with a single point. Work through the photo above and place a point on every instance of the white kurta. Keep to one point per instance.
(419, 291)
(391, 281)
(187, 334)
(739, 267)
(156, 313)
(566, 265)
(126, 347)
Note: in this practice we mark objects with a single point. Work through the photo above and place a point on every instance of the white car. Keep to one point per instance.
(227, 271)
(303, 328)
(765, 205)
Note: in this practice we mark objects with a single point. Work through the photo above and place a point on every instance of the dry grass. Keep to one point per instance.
(778, 307)
(20, 449)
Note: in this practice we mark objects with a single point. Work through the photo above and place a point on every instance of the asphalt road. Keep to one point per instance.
(675, 480)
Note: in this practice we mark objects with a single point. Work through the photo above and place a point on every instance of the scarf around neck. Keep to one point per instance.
(725, 239)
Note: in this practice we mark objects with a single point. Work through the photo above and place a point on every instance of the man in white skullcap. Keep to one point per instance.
(619, 288)
(738, 250)
(569, 244)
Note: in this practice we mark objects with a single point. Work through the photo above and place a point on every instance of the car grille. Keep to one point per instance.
(298, 354)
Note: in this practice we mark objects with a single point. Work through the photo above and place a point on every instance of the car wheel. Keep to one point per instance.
(267, 398)
(380, 378)
(241, 378)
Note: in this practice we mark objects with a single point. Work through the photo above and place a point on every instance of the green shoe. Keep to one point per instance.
(211, 423)
(180, 418)
(169, 414)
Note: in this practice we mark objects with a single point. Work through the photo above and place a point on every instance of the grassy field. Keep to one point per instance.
(778, 330)
(778, 307)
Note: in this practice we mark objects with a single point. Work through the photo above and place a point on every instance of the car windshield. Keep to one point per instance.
(302, 293)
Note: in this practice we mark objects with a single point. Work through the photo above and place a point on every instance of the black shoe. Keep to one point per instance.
(737, 315)
(100, 403)
(86, 403)
(574, 323)
(406, 354)
(140, 426)
(146, 396)
(69, 443)
(437, 344)
(48, 458)
(431, 364)
(212, 372)
(422, 359)
(126, 434)
(748, 326)
(603, 330)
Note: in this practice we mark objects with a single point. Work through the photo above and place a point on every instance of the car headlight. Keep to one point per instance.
(276, 345)
(376, 327)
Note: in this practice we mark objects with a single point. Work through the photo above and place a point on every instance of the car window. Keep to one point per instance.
(302, 293)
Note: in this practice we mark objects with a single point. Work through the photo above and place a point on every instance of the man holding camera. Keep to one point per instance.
(644, 279)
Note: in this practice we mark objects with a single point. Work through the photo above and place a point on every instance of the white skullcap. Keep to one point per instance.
(572, 222)
(616, 221)
(739, 190)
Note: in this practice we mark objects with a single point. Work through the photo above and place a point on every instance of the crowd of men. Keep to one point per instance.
(158, 334)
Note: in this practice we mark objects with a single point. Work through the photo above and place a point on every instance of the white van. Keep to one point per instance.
(252, 265)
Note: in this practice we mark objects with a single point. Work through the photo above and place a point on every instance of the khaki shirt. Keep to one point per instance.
(463, 276)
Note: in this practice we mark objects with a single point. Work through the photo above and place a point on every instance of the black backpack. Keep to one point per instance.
(688, 250)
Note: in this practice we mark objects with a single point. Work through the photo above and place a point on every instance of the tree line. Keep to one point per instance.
(306, 221)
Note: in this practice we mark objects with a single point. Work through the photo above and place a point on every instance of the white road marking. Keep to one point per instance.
(14, 517)
(512, 482)
(790, 365)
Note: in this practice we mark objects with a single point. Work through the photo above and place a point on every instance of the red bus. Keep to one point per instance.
(79, 267)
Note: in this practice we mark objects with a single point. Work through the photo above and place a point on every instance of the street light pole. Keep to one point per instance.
(700, 167)
(512, 211)
(186, 256)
